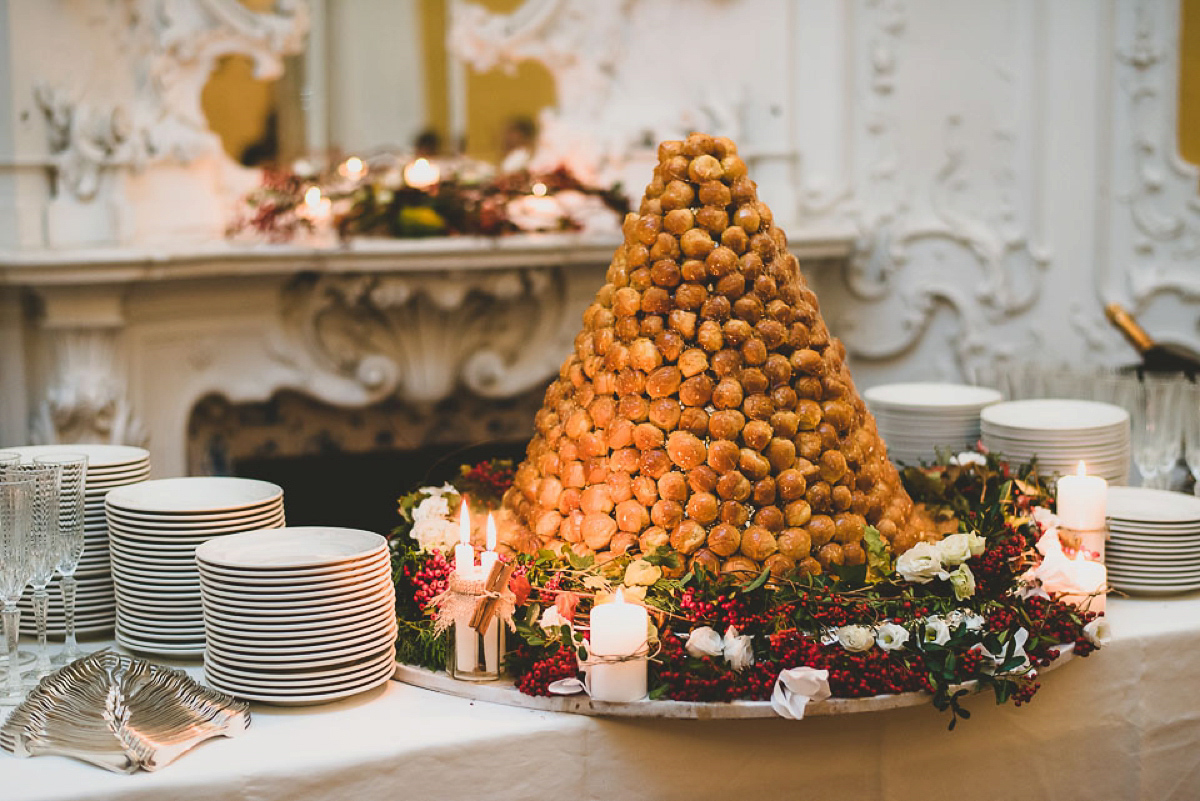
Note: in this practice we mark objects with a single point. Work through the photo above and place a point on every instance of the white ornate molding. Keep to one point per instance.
(1155, 219)
(938, 221)
(86, 397)
(419, 337)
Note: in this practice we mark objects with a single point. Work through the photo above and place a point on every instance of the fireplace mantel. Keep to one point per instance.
(120, 344)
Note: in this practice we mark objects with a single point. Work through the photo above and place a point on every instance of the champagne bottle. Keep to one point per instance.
(1156, 357)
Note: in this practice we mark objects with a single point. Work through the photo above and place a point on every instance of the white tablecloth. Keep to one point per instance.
(1121, 724)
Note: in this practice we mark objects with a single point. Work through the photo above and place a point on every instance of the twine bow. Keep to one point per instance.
(459, 601)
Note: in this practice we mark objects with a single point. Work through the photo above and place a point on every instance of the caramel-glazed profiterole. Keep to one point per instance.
(706, 406)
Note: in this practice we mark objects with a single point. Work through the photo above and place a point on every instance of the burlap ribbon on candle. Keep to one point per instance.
(462, 596)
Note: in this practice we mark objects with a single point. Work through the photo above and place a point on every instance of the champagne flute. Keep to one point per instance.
(15, 570)
(1191, 431)
(72, 481)
(41, 549)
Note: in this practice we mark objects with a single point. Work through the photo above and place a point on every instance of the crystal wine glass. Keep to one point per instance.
(41, 548)
(1190, 410)
(15, 502)
(1164, 398)
(72, 481)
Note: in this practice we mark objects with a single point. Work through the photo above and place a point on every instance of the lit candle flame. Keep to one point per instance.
(539, 189)
(312, 196)
(1082, 469)
(353, 168)
(421, 173)
(464, 524)
(619, 598)
(491, 532)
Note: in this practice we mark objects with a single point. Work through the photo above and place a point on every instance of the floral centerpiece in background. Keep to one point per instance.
(457, 199)
(965, 609)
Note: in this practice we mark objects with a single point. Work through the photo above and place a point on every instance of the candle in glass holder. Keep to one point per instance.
(466, 640)
(1082, 501)
(353, 169)
(491, 637)
(618, 629)
(1089, 580)
(422, 174)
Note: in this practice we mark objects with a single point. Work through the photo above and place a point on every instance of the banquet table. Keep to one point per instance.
(1121, 724)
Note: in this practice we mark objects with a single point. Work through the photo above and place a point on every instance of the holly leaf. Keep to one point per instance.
(758, 582)
(879, 559)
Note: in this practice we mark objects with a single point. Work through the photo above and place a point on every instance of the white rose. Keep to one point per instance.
(962, 617)
(962, 581)
(641, 572)
(797, 686)
(704, 641)
(977, 543)
(954, 550)
(738, 651)
(856, 638)
(891, 636)
(920, 564)
(1014, 648)
(935, 632)
(551, 619)
(969, 457)
(1098, 632)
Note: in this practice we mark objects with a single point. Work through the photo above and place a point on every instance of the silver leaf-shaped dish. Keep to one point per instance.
(120, 713)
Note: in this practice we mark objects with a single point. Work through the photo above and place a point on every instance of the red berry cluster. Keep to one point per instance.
(548, 591)
(561, 664)
(996, 567)
(689, 678)
(725, 610)
(430, 579)
(851, 675)
(490, 479)
(1054, 622)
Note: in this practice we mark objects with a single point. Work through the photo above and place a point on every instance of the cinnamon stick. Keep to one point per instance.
(496, 582)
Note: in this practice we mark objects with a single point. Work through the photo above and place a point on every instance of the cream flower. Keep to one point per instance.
(920, 564)
(640, 572)
(891, 636)
(738, 651)
(551, 619)
(962, 581)
(955, 549)
(1098, 632)
(795, 688)
(969, 457)
(704, 641)
(935, 632)
(963, 617)
(856, 638)
(978, 543)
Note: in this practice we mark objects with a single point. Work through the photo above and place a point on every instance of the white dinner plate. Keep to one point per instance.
(921, 395)
(318, 658)
(325, 694)
(242, 640)
(310, 619)
(277, 679)
(194, 495)
(299, 601)
(294, 547)
(184, 523)
(99, 455)
(337, 582)
(316, 575)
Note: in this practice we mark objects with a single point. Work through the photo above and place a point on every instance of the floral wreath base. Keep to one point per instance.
(505, 692)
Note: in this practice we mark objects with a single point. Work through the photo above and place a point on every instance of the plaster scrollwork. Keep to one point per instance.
(86, 396)
(1158, 240)
(586, 46)
(941, 242)
(171, 47)
(418, 337)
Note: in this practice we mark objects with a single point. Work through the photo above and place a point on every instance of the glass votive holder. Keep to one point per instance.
(473, 656)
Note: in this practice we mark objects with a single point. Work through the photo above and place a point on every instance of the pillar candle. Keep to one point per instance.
(1082, 501)
(618, 629)
(466, 640)
(491, 637)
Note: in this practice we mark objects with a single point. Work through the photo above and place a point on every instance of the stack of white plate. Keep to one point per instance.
(1154, 541)
(1061, 434)
(298, 615)
(154, 528)
(109, 466)
(917, 420)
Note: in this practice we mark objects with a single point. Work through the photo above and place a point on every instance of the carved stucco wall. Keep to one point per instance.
(1008, 166)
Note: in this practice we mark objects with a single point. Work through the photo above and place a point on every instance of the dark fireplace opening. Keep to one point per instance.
(360, 490)
(349, 467)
